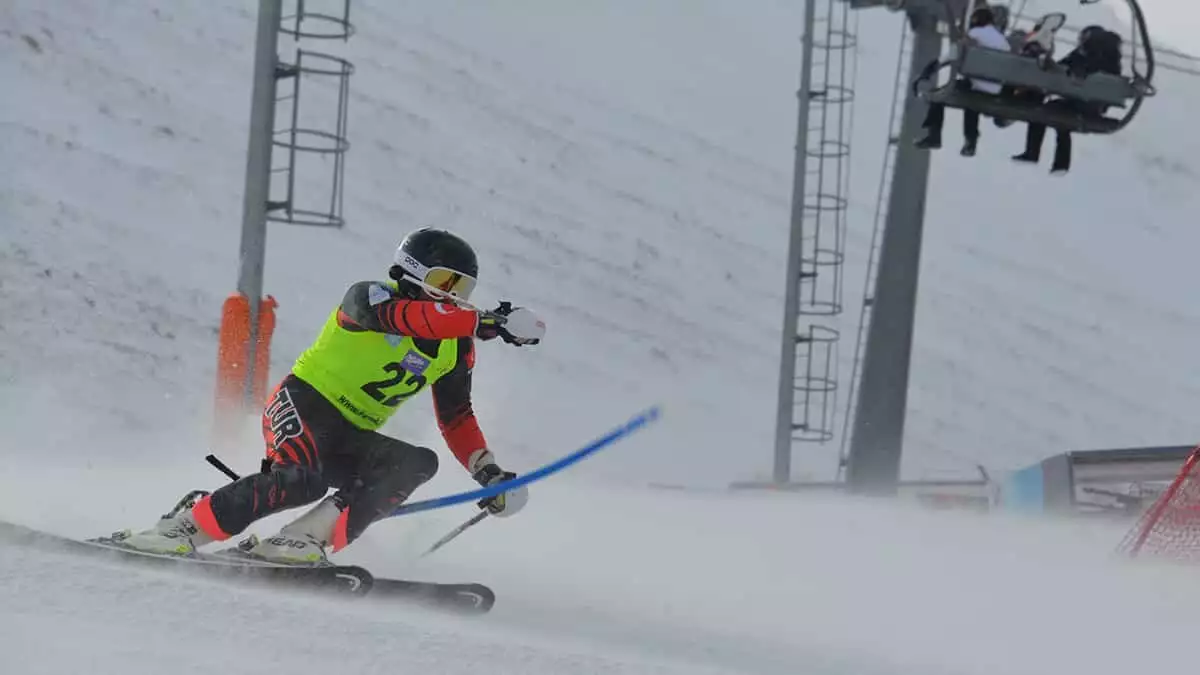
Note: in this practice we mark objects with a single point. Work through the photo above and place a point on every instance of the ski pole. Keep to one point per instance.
(222, 467)
(643, 419)
(455, 532)
(233, 476)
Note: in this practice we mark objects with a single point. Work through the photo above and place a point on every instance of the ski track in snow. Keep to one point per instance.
(629, 179)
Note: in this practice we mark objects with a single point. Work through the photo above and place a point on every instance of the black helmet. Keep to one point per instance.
(440, 260)
(1000, 17)
(982, 16)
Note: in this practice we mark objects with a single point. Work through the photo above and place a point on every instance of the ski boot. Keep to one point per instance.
(930, 141)
(300, 542)
(176, 532)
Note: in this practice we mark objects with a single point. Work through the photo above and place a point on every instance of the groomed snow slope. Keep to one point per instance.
(629, 581)
(629, 178)
(637, 196)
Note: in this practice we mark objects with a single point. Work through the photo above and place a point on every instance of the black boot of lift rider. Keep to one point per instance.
(1062, 154)
(1035, 134)
(929, 141)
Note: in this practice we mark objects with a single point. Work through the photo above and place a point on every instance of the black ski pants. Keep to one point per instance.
(935, 118)
(1035, 135)
(311, 448)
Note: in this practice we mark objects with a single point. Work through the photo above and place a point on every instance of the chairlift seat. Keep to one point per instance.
(1022, 111)
(1026, 72)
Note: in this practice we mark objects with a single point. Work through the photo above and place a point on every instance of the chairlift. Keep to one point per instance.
(1042, 74)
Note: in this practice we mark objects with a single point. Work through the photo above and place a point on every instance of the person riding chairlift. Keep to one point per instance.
(983, 33)
(1098, 51)
(1038, 43)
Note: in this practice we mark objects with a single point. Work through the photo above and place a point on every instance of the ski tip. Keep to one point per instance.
(461, 598)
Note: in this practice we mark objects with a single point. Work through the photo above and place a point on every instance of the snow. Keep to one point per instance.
(624, 168)
(617, 580)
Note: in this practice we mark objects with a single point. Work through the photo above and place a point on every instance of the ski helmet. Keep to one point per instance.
(435, 262)
(982, 15)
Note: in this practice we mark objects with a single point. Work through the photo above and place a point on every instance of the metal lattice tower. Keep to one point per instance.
(808, 379)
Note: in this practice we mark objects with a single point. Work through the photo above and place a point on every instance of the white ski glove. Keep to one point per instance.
(515, 325)
(506, 503)
(523, 327)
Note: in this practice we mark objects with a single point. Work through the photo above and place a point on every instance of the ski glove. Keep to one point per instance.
(506, 503)
(515, 325)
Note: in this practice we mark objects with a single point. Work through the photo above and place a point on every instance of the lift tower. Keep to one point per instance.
(873, 462)
(295, 163)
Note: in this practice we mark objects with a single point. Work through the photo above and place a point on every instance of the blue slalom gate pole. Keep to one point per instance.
(637, 422)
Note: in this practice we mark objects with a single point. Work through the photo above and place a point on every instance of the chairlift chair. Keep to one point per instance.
(1024, 72)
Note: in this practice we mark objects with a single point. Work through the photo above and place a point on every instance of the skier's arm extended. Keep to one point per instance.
(455, 417)
(370, 305)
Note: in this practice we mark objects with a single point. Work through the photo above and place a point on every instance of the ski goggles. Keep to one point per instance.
(437, 281)
(448, 282)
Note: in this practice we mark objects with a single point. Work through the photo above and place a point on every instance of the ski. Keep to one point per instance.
(466, 597)
(470, 598)
(345, 580)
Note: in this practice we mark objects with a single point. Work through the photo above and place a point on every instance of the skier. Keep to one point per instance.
(385, 343)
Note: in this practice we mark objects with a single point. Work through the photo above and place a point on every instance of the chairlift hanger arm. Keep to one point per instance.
(1139, 20)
